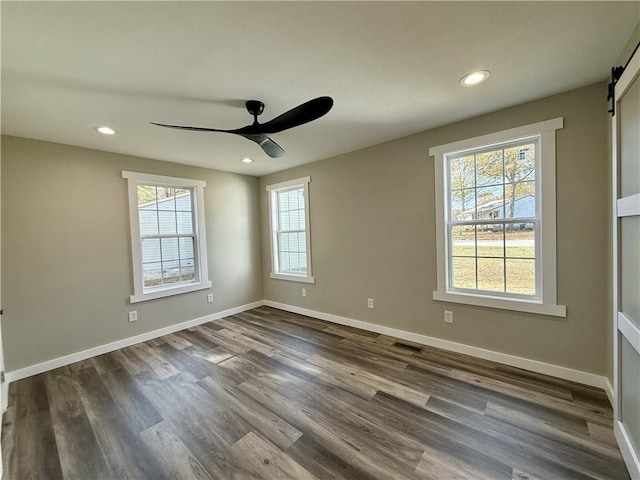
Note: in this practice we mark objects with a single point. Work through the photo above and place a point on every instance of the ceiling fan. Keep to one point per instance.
(257, 132)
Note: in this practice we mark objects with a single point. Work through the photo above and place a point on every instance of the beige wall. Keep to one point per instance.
(66, 251)
(373, 235)
(633, 41)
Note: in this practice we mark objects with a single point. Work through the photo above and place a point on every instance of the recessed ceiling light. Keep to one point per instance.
(247, 160)
(105, 130)
(474, 78)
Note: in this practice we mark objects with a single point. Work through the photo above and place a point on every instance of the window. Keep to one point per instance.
(495, 200)
(167, 235)
(290, 242)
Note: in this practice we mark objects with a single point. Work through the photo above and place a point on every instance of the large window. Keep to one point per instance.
(496, 220)
(168, 235)
(290, 242)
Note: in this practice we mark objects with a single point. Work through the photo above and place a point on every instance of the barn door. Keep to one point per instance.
(626, 235)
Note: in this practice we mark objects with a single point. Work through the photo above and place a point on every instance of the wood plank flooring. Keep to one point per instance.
(268, 394)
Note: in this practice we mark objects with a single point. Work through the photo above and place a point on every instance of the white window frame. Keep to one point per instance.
(546, 302)
(200, 248)
(272, 191)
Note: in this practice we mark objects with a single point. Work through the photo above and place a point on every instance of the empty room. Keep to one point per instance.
(320, 240)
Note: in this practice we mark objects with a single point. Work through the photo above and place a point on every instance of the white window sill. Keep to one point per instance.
(501, 303)
(169, 291)
(293, 278)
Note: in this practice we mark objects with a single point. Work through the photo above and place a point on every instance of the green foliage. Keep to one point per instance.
(152, 193)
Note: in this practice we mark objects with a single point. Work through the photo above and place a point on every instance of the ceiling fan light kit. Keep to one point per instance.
(258, 132)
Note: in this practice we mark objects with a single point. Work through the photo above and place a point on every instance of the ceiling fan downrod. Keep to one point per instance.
(255, 108)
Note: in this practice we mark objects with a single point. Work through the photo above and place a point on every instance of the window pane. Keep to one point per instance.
(170, 272)
(183, 200)
(292, 252)
(463, 241)
(490, 241)
(187, 273)
(186, 247)
(284, 223)
(462, 173)
(294, 203)
(302, 262)
(167, 222)
(186, 262)
(464, 272)
(520, 200)
(283, 201)
(169, 249)
(520, 163)
(166, 198)
(463, 204)
(147, 197)
(520, 240)
(490, 202)
(150, 250)
(489, 168)
(491, 274)
(284, 261)
(521, 276)
(283, 241)
(185, 222)
(152, 274)
(292, 219)
(148, 220)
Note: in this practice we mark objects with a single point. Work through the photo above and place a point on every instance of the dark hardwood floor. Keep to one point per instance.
(268, 394)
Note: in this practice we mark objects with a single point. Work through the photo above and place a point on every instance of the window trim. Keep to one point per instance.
(272, 190)
(140, 295)
(546, 304)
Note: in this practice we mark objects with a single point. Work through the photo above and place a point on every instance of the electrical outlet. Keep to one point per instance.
(369, 302)
(304, 292)
(133, 316)
(448, 316)
(210, 298)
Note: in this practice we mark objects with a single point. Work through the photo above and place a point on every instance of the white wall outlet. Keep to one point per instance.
(369, 302)
(210, 298)
(133, 316)
(304, 292)
(448, 316)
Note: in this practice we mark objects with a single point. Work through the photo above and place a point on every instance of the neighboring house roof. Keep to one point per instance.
(493, 204)
(183, 202)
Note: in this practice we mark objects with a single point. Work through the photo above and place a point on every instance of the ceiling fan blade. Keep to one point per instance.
(197, 129)
(305, 113)
(270, 147)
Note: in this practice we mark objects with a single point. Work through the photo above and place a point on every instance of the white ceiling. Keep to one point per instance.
(392, 68)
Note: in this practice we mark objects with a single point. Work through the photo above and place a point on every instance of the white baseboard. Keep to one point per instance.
(565, 373)
(126, 342)
(608, 388)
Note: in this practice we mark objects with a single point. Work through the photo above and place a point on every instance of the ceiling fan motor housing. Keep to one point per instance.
(254, 107)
